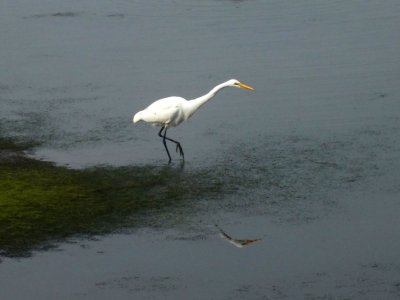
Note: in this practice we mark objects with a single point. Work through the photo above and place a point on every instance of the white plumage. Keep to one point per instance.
(168, 112)
(172, 111)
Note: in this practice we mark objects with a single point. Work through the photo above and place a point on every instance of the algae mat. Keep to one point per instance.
(41, 202)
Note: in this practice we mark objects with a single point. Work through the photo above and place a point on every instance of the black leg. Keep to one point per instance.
(164, 141)
(178, 145)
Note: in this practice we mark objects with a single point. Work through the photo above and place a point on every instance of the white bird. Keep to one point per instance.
(172, 111)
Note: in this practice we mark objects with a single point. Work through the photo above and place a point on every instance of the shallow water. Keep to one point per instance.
(308, 163)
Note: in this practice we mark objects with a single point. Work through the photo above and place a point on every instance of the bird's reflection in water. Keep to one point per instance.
(235, 242)
(180, 165)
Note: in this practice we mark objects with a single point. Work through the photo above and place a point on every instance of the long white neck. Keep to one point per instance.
(193, 105)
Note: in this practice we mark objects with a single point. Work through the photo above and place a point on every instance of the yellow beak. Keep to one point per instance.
(244, 86)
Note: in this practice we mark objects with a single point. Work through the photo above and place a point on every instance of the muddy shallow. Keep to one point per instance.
(308, 163)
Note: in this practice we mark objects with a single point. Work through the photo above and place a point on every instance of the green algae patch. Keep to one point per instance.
(41, 203)
(36, 201)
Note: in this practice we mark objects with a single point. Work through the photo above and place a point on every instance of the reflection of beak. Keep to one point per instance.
(244, 86)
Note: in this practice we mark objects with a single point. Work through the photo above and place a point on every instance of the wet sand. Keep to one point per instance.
(308, 163)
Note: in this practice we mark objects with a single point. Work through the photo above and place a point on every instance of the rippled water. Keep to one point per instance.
(308, 163)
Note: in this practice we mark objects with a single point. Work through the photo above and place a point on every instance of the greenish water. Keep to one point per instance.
(41, 202)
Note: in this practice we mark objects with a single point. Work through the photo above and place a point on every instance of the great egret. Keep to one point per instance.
(172, 111)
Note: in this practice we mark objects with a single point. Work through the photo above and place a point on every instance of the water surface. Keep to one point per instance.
(308, 163)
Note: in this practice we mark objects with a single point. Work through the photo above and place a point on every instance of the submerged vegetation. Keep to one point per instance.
(41, 203)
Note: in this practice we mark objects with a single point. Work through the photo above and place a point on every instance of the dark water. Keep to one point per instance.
(308, 163)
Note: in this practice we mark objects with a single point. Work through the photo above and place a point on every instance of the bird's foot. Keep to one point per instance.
(179, 148)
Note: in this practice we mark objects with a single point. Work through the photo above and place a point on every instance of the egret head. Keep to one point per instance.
(238, 84)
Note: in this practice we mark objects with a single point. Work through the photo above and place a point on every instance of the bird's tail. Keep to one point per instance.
(137, 117)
